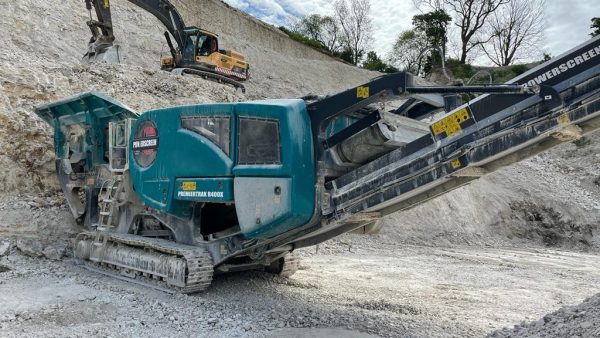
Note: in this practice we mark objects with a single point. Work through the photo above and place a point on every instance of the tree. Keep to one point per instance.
(434, 26)
(409, 50)
(516, 31)
(470, 17)
(355, 25)
(310, 26)
(595, 27)
(320, 28)
(374, 62)
(330, 33)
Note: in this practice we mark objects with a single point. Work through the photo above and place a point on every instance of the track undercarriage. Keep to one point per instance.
(159, 263)
(185, 268)
(211, 75)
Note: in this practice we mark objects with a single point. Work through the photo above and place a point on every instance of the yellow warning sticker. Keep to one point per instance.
(451, 124)
(455, 163)
(188, 186)
(362, 92)
(563, 120)
(106, 4)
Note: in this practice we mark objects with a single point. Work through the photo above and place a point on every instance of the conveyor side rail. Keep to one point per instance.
(487, 133)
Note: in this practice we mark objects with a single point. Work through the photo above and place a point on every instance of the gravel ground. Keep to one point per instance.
(393, 291)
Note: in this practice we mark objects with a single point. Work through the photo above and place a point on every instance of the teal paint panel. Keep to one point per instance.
(297, 166)
(91, 111)
(180, 153)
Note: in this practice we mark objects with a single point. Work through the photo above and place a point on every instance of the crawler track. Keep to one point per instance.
(210, 75)
(166, 265)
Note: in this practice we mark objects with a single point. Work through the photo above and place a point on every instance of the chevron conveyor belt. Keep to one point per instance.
(485, 134)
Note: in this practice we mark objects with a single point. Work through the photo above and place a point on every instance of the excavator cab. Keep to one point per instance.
(201, 54)
(206, 45)
(208, 57)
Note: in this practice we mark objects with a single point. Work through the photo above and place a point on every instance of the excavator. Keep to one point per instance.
(197, 51)
(172, 196)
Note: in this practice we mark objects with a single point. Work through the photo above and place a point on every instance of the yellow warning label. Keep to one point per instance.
(451, 124)
(563, 120)
(362, 92)
(106, 4)
(188, 186)
(455, 163)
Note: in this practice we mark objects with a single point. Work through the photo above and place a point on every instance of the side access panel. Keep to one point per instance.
(264, 201)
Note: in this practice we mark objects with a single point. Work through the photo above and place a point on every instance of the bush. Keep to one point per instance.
(304, 39)
(460, 70)
(519, 69)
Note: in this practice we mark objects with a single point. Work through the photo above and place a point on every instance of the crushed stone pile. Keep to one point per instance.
(581, 320)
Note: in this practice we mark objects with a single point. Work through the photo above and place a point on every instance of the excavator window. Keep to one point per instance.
(206, 45)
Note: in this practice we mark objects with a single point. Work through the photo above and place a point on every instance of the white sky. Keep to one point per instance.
(568, 21)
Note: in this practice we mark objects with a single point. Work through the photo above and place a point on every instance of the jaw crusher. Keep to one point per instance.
(171, 196)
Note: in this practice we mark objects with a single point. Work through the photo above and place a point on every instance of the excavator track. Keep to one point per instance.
(210, 75)
(159, 263)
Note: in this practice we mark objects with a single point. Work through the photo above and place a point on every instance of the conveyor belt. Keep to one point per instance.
(479, 137)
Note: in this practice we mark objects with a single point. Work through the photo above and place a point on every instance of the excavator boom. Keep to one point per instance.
(195, 51)
(101, 46)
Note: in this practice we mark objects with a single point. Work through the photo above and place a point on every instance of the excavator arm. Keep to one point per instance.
(101, 44)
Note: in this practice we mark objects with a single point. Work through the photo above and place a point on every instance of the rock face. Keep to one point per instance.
(5, 248)
(30, 247)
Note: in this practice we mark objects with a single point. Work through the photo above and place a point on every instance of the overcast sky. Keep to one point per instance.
(568, 21)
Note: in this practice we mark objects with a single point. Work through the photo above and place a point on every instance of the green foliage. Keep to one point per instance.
(374, 62)
(501, 75)
(320, 28)
(409, 51)
(310, 26)
(302, 38)
(595, 27)
(519, 69)
(346, 54)
(434, 25)
(460, 70)
(391, 69)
